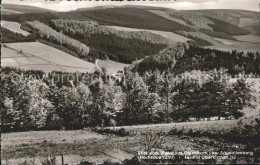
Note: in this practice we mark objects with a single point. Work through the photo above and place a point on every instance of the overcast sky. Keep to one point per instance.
(179, 4)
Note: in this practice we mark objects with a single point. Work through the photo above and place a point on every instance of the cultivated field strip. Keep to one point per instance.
(14, 27)
(35, 55)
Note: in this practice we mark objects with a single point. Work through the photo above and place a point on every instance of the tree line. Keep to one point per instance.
(45, 103)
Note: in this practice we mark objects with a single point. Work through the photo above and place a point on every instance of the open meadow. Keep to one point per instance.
(241, 45)
(248, 38)
(35, 55)
(14, 26)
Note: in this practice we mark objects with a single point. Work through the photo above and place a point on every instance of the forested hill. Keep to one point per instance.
(131, 17)
(196, 58)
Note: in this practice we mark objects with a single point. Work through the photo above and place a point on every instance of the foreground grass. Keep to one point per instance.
(99, 149)
(85, 145)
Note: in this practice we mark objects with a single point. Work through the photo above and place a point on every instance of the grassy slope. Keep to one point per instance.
(254, 29)
(8, 11)
(42, 57)
(243, 46)
(219, 34)
(10, 37)
(235, 17)
(14, 26)
(248, 38)
(221, 26)
(25, 8)
(219, 31)
(228, 15)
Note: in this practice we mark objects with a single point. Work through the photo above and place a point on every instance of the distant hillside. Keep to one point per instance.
(202, 22)
(19, 9)
(116, 42)
(228, 15)
(96, 8)
(242, 18)
(125, 6)
(89, 28)
(221, 26)
(134, 18)
(194, 21)
(7, 11)
(144, 18)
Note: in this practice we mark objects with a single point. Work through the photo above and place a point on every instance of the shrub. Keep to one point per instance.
(119, 132)
(86, 163)
(133, 161)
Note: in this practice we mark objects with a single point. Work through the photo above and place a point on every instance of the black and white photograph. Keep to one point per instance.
(130, 82)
